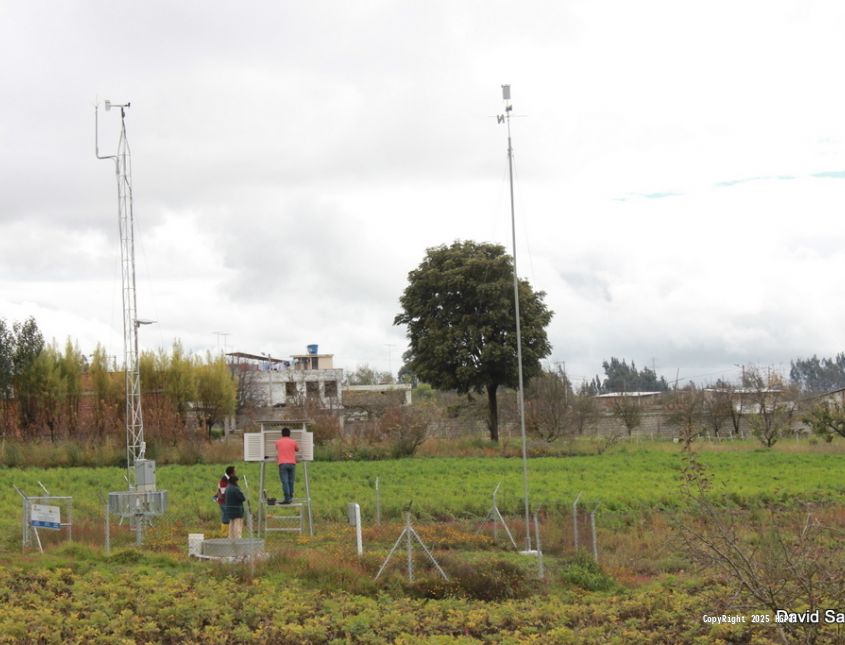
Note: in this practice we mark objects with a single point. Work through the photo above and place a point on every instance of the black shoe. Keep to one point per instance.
(287, 501)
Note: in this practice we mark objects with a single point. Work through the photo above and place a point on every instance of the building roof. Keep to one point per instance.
(611, 395)
(745, 390)
(257, 357)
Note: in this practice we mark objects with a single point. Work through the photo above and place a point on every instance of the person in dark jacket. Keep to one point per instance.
(220, 498)
(234, 508)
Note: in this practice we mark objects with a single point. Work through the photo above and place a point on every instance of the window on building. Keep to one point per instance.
(330, 389)
(290, 388)
(312, 388)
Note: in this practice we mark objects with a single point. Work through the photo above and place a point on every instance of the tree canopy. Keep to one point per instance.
(459, 311)
(366, 375)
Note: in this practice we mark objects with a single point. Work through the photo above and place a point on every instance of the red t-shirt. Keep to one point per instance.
(286, 450)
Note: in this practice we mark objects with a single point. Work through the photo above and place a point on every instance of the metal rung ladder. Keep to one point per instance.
(293, 522)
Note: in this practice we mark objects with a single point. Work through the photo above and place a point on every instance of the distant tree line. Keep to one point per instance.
(810, 375)
(366, 375)
(818, 374)
(57, 394)
(621, 377)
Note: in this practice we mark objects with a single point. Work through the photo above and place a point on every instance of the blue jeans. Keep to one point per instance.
(286, 473)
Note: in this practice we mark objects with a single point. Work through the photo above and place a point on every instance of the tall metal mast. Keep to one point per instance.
(506, 96)
(135, 445)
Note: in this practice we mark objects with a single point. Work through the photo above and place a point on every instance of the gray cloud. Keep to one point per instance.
(588, 285)
(293, 162)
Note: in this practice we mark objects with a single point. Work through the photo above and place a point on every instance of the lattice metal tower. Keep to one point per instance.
(135, 445)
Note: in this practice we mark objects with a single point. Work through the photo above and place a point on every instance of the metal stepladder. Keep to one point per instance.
(284, 518)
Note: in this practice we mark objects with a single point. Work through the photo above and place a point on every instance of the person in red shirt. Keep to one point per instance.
(286, 455)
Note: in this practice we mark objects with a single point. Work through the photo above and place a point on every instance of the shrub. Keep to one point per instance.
(73, 454)
(326, 428)
(406, 428)
(423, 392)
(583, 572)
(12, 455)
(491, 580)
(189, 452)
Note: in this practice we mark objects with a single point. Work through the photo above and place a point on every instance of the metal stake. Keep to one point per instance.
(378, 504)
(410, 548)
(496, 516)
(541, 569)
(408, 532)
(107, 536)
(575, 521)
(262, 485)
(308, 499)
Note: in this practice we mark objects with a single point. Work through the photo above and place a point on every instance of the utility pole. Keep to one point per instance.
(506, 118)
(390, 347)
(224, 334)
(565, 384)
(270, 380)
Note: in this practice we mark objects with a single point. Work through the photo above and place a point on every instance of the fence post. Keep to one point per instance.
(378, 504)
(575, 522)
(107, 536)
(353, 513)
(25, 515)
(593, 530)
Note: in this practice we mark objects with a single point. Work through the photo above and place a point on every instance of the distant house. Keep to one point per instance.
(836, 396)
(749, 400)
(643, 398)
(304, 378)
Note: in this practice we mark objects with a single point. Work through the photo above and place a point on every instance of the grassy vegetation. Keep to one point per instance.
(631, 478)
(315, 590)
(77, 595)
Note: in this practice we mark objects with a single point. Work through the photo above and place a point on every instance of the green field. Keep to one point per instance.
(314, 590)
(627, 480)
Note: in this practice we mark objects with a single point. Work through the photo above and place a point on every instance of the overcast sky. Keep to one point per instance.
(680, 171)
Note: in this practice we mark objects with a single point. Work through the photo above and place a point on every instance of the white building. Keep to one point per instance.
(304, 378)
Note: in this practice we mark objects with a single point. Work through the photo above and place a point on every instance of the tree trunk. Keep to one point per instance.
(493, 409)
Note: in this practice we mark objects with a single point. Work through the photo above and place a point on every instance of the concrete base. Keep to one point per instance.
(226, 549)
(529, 552)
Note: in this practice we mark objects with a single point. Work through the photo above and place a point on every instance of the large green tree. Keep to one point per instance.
(459, 311)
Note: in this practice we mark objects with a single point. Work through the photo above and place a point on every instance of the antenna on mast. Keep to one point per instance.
(506, 118)
(142, 500)
(135, 444)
